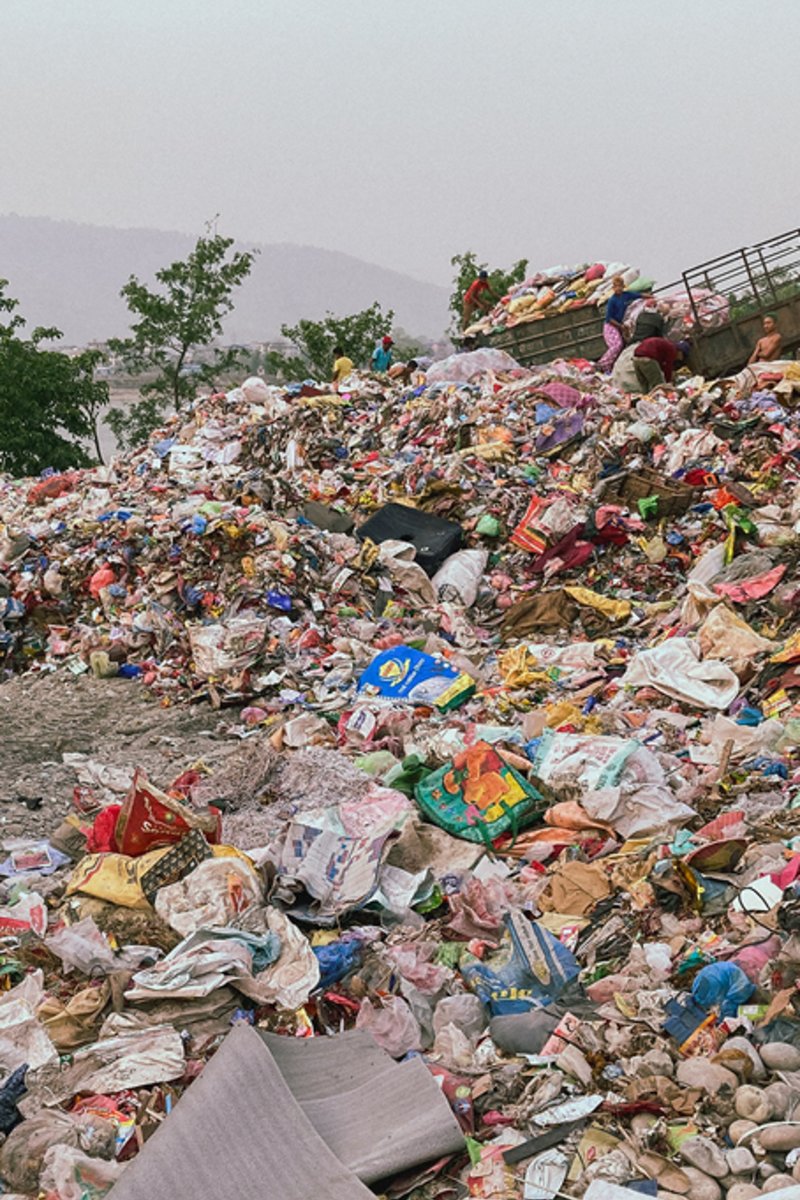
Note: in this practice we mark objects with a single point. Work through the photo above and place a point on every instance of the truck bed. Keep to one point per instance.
(756, 280)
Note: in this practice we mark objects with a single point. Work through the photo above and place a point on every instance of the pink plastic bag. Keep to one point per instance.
(392, 1024)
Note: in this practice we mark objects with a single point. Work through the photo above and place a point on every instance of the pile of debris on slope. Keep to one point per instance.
(509, 849)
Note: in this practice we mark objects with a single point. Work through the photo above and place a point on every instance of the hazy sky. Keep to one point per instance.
(658, 132)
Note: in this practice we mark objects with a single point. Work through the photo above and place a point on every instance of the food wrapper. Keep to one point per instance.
(403, 673)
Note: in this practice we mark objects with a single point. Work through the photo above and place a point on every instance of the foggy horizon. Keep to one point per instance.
(552, 130)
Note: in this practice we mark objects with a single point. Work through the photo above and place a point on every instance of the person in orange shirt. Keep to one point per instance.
(478, 296)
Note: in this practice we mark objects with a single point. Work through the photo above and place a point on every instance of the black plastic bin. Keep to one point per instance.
(433, 538)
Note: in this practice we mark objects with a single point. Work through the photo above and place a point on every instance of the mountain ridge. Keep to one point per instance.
(68, 274)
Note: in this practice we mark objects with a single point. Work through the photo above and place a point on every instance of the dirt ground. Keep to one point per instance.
(113, 721)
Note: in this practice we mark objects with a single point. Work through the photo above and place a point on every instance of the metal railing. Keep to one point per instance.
(754, 279)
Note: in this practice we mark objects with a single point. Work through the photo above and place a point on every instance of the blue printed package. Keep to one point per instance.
(529, 969)
(403, 673)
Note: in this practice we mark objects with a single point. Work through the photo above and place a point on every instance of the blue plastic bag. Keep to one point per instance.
(722, 985)
(529, 969)
(336, 960)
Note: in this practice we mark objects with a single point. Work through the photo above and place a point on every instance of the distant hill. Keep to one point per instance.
(69, 275)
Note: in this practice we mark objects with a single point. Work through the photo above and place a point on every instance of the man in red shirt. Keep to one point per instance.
(478, 295)
(655, 360)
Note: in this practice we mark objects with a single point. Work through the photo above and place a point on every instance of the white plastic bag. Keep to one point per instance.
(460, 367)
(674, 667)
(291, 980)
(725, 635)
(219, 649)
(454, 1048)
(257, 393)
(213, 894)
(398, 559)
(463, 1010)
(459, 577)
(82, 946)
(69, 1174)
(255, 390)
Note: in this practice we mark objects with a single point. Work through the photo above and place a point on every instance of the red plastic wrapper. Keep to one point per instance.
(149, 818)
(52, 487)
(101, 836)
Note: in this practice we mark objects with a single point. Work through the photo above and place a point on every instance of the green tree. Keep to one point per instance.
(467, 270)
(49, 402)
(313, 343)
(182, 315)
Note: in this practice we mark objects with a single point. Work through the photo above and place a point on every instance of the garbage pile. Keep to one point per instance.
(559, 289)
(500, 893)
(563, 289)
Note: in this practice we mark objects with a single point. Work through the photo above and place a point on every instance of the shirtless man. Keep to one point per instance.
(768, 347)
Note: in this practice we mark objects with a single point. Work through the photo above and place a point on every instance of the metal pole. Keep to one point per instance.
(753, 284)
(692, 304)
(768, 277)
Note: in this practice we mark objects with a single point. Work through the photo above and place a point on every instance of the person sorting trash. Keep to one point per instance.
(382, 355)
(478, 295)
(616, 308)
(342, 367)
(655, 360)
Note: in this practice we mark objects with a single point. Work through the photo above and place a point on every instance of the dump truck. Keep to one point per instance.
(753, 281)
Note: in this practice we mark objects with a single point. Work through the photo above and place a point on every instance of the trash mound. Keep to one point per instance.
(562, 289)
(496, 889)
(556, 290)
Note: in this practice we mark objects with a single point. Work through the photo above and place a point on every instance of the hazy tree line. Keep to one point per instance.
(50, 402)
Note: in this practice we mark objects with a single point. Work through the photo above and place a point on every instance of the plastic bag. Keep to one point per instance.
(336, 852)
(452, 1046)
(459, 577)
(223, 649)
(722, 985)
(69, 1174)
(73, 1023)
(586, 760)
(22, 1038)
(12, 1090)
(477, 909)
(674, 668)
(478, 796)
(637, 808)
(200, 964)
(464, 1010)
(290, 980)
(23, 1152)
(727, 636)
(461, 367)
(403, 673)
(82, 946)
(255, 391)
(114, 877)
(415, 963)
(336, 960)
(149, 818)
(392, 1024)
(398, 560)
(28, 913)
(530, 968)
(214, 893)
